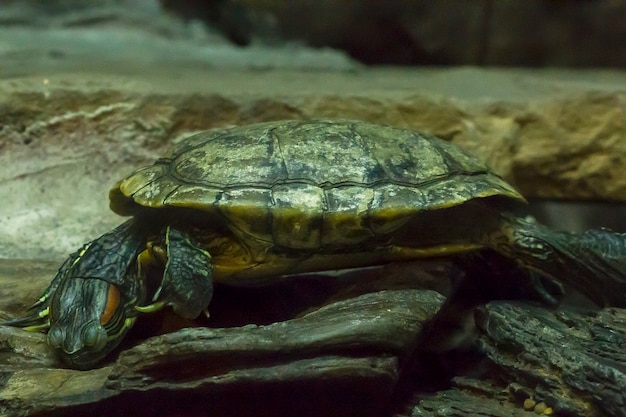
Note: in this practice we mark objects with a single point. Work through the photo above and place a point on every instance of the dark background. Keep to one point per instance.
(533, 33)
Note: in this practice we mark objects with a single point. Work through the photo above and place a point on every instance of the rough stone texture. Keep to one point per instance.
(573, 361)
(566, 362)
(106, 86)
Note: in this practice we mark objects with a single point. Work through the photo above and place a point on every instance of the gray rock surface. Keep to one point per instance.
(567, 362)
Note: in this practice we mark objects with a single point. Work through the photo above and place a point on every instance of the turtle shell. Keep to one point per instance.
(311, 185)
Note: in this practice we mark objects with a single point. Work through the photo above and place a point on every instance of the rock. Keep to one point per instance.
(136, 36)
(436, 33)
(574, 361)
(393, 32)
(468, 397)
(567, 361)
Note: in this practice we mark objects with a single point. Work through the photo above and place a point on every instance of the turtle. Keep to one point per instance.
(254, 203)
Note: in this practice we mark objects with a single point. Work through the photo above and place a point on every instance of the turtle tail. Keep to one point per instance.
(593, 262)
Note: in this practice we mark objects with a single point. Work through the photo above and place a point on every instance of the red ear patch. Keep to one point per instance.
(112, 303)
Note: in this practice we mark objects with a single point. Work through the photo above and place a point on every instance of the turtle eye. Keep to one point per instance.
(94, 336)
(56, 335)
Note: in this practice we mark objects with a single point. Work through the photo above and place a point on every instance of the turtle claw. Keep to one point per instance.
(151, 308)
(36, 321)
(44, 327)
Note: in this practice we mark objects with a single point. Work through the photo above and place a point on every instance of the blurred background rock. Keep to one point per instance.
(533, 33)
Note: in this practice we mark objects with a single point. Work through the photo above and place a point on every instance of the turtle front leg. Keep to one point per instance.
(187, 283)
(593, 262)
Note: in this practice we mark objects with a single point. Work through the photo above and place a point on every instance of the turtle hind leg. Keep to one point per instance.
(489, 276)
(187, 284)
(477, 279)
(593, 262)
(449, 339)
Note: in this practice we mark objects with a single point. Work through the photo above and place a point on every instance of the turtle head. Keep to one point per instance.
(88, 318)
(90, 304)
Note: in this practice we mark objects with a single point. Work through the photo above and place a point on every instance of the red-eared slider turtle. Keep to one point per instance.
(255, 202)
